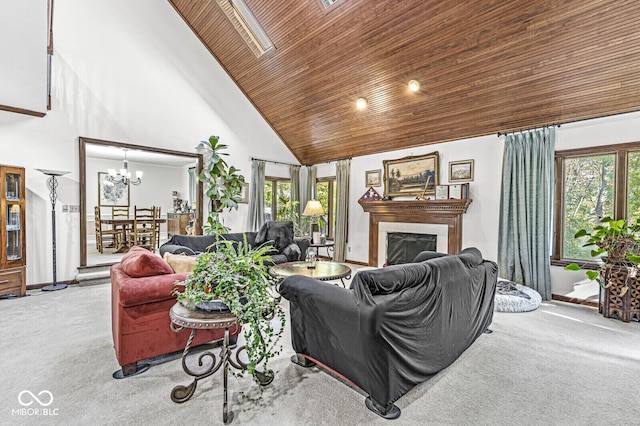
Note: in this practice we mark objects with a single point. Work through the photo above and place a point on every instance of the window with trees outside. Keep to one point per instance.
(277, 199)
(326, 194)
(592, 183)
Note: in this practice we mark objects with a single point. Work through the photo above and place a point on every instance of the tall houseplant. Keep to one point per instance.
(236, 274)
(223, 185)
(617, 273)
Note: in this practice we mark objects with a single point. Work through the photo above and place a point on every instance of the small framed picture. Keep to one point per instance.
(373, 177)
(243, 198)
(112, 192)
(461, 171)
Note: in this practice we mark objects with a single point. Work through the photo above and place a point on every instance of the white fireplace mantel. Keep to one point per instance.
(436, 212)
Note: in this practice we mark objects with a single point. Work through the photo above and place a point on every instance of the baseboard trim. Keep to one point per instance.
(40, 285)
(355, 262)
(574, 300)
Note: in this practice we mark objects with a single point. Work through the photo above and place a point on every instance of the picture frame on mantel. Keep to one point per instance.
(461, 171)
(112, 194)
(411, 176)
(373, 178)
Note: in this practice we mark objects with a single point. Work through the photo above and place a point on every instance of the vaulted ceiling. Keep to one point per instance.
(483, 66)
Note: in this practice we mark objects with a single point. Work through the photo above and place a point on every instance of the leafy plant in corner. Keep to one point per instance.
(236, 274)
(287, 211)
(223, 185)
(619, 239)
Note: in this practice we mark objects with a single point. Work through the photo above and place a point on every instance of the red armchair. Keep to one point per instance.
(141, 297)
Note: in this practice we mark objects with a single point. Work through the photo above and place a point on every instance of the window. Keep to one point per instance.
(327, 197)
(327, 3)
(277, 198)
(592, 183)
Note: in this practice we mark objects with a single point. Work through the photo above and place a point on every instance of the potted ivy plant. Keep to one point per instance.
(616, 244)
(223, 184)
(236, 274)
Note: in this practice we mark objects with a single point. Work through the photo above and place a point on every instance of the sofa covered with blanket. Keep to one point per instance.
(394, 327)
(280, 235)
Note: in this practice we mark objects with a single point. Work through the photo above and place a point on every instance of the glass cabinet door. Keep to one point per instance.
(14, 240)
(12, 200)
(12, 186)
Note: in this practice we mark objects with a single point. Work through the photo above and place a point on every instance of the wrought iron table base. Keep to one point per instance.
(181, 393)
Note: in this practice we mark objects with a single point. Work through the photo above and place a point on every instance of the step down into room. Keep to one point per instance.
(92, 275)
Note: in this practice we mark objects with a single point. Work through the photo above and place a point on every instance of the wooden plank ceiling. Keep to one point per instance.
(484, 66)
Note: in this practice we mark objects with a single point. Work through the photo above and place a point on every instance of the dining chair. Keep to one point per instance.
(111, 234)
(157, 214)
(121, 213)
(143, 232)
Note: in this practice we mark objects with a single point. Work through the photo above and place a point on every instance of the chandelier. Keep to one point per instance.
(124, 176)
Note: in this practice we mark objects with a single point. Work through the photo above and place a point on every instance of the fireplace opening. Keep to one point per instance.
(403, 247)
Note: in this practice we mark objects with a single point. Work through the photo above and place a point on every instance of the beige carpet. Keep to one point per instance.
(559, 365)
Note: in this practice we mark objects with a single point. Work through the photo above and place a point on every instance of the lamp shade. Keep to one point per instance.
(313, 208)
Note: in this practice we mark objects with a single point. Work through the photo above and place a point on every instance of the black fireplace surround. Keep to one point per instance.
(394, 327)
(403, 247)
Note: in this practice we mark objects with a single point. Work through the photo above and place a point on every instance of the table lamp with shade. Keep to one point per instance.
(315, 210)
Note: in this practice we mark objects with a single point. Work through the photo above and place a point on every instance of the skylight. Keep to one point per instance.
(247, 25)
(327, 3)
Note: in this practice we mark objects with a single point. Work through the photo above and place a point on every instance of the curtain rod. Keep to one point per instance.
(529, 129)
(274, 162)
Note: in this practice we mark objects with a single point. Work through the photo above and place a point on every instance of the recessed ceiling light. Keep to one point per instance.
(414, 85)
(361, 103)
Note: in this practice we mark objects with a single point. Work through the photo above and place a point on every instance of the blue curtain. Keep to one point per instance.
(524, 241)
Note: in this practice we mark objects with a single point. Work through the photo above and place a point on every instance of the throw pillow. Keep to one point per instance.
(139, 262)
(179, 262)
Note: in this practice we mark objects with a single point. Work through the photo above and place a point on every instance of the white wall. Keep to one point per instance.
(131, 72)
(23, 68)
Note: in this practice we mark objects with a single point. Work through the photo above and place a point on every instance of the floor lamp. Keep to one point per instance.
(52, 183)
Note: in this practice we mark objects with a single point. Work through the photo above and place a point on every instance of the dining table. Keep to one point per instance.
(125, 224)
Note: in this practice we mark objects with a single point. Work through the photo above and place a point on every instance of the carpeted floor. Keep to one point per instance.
(561, 364)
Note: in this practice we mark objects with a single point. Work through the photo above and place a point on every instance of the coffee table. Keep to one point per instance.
(324, 271)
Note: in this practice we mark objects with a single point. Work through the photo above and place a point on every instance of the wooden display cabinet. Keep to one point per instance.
(12, 231)
(177, 223)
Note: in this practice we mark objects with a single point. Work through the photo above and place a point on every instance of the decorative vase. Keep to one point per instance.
(620, 297)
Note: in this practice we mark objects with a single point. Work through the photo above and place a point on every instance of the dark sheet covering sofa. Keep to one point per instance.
(278, 234)
(396, 326)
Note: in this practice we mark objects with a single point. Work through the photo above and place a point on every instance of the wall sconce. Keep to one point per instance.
(414, 85)
(361, 103)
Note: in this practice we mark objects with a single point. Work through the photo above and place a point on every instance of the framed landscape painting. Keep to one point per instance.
(461, 171)
(411, 176)
(373, 177)
(115, 194)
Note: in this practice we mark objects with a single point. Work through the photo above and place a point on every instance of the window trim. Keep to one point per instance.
(274, 193)
(331, 181)
(621, 152)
